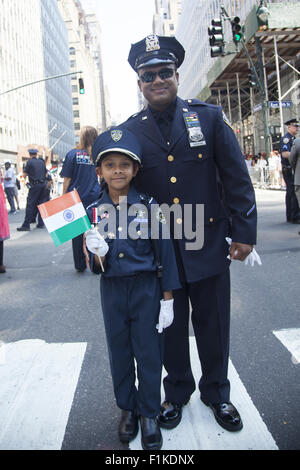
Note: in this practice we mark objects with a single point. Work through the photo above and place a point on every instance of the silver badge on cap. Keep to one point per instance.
(152, 43)
(116, 135)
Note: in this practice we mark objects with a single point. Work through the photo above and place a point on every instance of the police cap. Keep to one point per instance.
(116, 140)
(292, 122)
(155, 50)
(32, 151)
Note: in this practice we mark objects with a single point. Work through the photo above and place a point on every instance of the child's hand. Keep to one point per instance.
(96, 243)
(166, 315)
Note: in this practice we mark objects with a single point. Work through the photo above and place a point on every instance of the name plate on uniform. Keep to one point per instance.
(195, 134)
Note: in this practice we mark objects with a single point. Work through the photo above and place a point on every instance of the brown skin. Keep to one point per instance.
(118, 171)
(160, 94)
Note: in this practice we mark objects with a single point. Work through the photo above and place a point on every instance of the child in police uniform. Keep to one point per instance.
(136, 306)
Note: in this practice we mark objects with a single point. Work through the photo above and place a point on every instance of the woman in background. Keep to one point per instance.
(79, 173)
(4, 227)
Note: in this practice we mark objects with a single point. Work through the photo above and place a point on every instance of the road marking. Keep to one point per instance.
(198, 429)
(38, 382)
(290, 338)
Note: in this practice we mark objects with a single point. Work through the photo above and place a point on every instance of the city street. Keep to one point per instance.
(56, 390)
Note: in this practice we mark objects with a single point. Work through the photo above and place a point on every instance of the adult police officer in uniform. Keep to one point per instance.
(187, 147)
(36, 171)
(286, 142)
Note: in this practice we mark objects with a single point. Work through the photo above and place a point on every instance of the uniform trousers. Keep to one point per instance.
(130, 306)
(291, 203)
(37, 194)
(210, 302)
(78, 254)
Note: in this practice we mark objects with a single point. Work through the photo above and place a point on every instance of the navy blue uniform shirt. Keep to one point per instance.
(127, 256)
(78, 166)
(286, 143)
(35, 169)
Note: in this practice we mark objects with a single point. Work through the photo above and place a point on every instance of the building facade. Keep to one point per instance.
(30, 33)
(85, 56)
(166, 17)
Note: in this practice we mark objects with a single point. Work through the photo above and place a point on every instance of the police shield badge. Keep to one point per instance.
(116, 135)
(152, 43)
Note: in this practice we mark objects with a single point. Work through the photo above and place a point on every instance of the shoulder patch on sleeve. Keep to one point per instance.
(226, 120)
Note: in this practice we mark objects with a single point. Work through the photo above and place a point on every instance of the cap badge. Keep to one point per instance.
(152, 43)
(116, 135)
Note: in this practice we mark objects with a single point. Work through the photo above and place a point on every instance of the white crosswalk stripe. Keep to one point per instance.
(290, 338)
(198, 429)
(38, 382)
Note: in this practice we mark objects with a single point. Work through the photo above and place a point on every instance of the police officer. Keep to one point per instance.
(187, 147)
(132, 297)
(286, 142)
(36, 171)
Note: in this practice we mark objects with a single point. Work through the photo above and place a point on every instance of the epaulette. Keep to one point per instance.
(135, 115)
(194, 102)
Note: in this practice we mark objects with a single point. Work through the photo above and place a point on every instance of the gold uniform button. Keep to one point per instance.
(120, 229)
(179, 220)
(118, 208)
(170, 158)
(173, 179)
(211, 219)
(139, 232)
(200, 155)
(121, 255)
(176, 200)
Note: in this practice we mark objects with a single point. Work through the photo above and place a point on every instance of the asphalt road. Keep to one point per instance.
(42, 297)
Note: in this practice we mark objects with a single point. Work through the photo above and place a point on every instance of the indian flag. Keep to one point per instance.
(65, 217)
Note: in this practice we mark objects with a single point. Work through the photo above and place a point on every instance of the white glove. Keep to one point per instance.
(166, 314)
(251, 258)
(96, 243)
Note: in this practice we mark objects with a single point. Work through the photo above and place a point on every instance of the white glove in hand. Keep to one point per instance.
(166, 314)
(96, 243)
(251, 258)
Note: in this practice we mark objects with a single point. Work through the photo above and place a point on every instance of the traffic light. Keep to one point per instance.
(252, 79)
(236, 30)
(216, 38)
(81, 86)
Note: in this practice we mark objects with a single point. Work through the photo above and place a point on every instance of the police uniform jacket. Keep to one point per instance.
(286, 143)
(36, 170)
(175, 172)
(127, 256)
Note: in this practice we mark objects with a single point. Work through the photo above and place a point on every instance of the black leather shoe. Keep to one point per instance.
(23, 229)
(226, 415)
(170, 415)
(40, 226)
(151, 434)
(294, 221)
(129, 426)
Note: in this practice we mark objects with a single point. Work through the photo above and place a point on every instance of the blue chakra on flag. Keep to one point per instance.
(68, 215)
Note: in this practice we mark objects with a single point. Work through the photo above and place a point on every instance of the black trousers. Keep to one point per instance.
(36, 195)
(291, 202)
(210, 301)
(78, 255)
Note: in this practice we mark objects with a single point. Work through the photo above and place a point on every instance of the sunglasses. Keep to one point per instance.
(149, 77)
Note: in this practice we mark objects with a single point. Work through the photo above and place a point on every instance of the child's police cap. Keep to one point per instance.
(292, 122)
(116, 140)
(155, 50)
(32, 151)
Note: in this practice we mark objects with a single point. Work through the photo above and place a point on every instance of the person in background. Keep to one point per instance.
(286, 142)
(35, 169)
(9, 186)
(4, 227)
(79, 173)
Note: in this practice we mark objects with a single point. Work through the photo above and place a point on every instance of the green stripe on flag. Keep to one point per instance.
(72, 230)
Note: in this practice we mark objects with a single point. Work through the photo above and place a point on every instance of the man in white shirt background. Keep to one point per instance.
(9, 186)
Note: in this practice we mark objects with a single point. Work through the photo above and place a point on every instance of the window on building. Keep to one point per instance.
(72, 51)
(75, 101)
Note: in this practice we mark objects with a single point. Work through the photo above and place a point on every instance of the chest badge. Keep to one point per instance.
(193, 127)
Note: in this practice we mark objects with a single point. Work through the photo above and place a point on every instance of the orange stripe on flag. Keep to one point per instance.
(59, 204)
